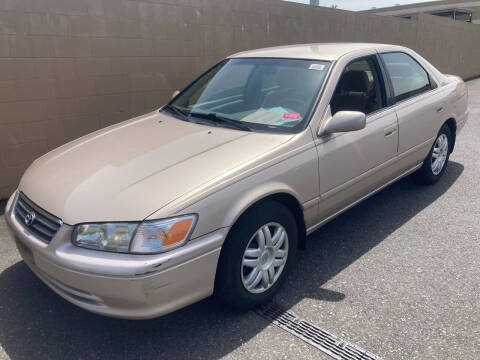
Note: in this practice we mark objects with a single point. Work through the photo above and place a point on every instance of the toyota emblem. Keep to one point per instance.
(30, 218)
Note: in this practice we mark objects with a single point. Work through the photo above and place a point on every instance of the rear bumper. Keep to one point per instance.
(121, 285)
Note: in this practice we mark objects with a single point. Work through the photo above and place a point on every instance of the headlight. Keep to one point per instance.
(142, 238)
(163, 235)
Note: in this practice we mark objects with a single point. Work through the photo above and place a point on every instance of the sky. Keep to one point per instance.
(356, 5)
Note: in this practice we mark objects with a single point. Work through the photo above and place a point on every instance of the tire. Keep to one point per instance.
(429, 173)
(233, 276)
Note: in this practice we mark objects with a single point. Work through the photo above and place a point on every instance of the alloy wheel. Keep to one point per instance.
(264, 258)
(439, 154)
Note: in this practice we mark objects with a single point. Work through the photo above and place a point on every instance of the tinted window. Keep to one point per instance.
(359, 88)
(264, 94)
(408, 77)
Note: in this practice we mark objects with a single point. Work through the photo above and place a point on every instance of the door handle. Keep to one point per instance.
(440, 109)
(389, 130)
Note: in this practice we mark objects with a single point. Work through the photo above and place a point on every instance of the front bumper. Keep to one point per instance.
(121, 285)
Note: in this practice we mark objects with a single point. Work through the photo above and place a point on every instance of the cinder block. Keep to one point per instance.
(76, 126)
(72, 46)
(117, 27)
(64, 7)
(42, 46)
(20, 46)
(114, 8)
(112, 84)
(8, 90)
(80, 25)
(23, 153)
(105, 47)
(49, 24)
(10, 176)
(95, 8)
(78, 86)
(4, 46)
(6, 191)
(36, 89)
(92, 66)
(36, 131)
(8, 69)
(149, 81)
(24, 69)
(15, 5)
(13, 23)
(12, 134)
(98, 26)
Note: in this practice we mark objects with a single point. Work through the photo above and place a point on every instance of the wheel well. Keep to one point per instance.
(453, 130)
(290, 202)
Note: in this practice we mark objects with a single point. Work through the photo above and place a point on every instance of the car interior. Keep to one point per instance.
(285, 87)
(261, 93)
(358, 89)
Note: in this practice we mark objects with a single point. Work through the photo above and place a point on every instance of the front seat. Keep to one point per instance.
(294, 88)
(352, 92)
(285, 80)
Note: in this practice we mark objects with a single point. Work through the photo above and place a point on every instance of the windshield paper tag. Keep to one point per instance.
(293, 116)
(316, 67)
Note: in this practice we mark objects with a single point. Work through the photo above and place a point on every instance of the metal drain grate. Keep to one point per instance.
(323, 340)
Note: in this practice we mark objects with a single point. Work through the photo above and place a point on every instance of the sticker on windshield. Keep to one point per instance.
(316, 67)
(294, 116)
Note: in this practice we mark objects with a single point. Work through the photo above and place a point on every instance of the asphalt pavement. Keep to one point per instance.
(397, 275)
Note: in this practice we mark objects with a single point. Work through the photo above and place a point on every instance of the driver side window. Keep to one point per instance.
(359, 88)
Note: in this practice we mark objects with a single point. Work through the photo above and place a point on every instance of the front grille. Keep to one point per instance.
(39, 222)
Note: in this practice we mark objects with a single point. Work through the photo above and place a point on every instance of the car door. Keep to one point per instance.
(352, 164)
(418, 104)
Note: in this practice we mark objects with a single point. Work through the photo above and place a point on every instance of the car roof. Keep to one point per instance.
(316, 51)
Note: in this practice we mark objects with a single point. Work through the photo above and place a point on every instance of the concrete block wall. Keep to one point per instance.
(68, 67)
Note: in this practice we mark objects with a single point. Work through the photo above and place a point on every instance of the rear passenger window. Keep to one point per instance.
(408, 77)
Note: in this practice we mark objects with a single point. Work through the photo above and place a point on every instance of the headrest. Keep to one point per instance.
(354, 80)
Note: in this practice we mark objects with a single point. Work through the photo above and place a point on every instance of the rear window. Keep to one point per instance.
(408, 77)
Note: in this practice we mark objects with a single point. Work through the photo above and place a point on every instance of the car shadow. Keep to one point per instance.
(345, 239)
(36, 323)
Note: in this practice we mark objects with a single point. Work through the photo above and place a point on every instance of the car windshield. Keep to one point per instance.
(266, 94)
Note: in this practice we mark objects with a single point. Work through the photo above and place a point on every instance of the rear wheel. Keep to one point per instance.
(257, 256)
(435, 164)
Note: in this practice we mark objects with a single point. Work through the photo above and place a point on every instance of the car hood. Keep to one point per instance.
(128, 171)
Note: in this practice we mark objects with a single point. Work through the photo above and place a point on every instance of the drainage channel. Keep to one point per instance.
(323, 340)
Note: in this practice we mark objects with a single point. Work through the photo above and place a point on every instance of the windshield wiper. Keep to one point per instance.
(177, 111)
(221, 119)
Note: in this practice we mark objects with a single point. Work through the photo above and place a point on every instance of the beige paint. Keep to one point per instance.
(74, 66)
(155, 166)
(114, 165)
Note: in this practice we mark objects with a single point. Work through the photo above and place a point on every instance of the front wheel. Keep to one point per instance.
(257, 256)
(435, 164)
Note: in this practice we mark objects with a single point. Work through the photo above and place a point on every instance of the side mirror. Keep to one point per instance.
(175, 93)
(344, 121)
